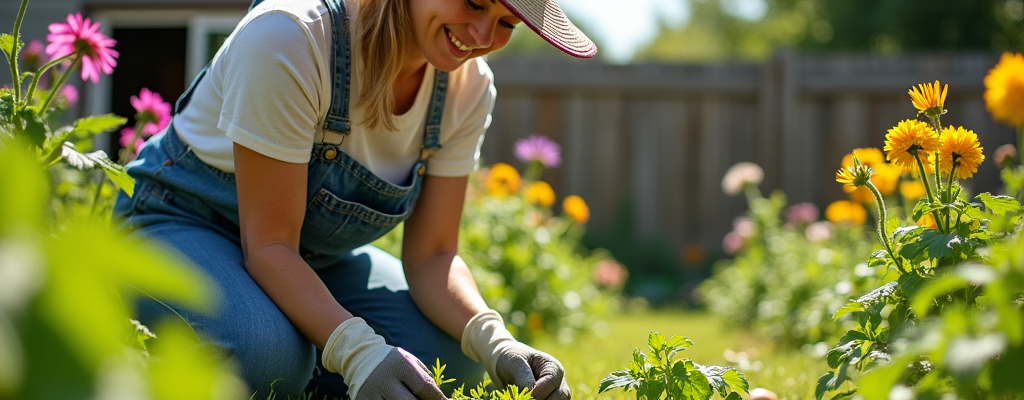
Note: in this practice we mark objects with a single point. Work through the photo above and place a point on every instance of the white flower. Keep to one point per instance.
(739, 176)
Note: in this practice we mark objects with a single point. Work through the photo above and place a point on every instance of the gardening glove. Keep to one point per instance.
(510, 362)
(373, 369)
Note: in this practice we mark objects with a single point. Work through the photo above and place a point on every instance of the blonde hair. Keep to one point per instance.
(384, 30)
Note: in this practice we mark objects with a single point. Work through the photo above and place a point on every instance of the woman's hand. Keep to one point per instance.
(510, 362)
(375, 370)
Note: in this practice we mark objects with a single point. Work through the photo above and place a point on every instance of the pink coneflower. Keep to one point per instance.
(70, 94)
(539, 148)
(740, 176)
(33, 56)
(82, 36)
(732, 243)
(151, 110)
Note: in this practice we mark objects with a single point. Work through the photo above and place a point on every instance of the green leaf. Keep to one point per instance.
(844, 395)
(912, 250)
(117, 174)
(966, 355)
(999, 205)
(96, 124)
(924, 298)
(99, 159)
(847, 308)
(822, 387)
(35, 127)
(7, 46)
(852, 335)
(617, 379)
(693, 384)
(733, 396)
(736, 381)
(940, 245)
(841, 354)
(676, 343)
(877, 383)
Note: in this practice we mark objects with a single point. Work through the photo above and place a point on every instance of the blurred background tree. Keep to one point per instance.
(750, 30)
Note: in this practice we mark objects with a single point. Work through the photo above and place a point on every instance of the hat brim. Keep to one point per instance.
(549, 21)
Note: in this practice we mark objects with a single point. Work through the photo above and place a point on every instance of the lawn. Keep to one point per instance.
(790, 374)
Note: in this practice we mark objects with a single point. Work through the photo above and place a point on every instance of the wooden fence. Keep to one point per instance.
(663, 136)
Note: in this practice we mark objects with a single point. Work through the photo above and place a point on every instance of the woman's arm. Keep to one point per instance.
(271, 207)
(439, 281)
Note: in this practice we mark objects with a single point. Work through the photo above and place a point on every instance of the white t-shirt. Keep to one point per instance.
(269, 89)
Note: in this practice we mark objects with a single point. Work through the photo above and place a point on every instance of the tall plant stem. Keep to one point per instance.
(59, 84)
(130, 149)
(927, 186)
(15, 75)
(883, 216)
(949, 193)
(937, 125)
(39, 73)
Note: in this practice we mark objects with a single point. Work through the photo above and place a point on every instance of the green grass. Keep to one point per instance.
(790, 374)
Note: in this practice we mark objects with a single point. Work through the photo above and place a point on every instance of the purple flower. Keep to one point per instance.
(539, 148)
(801, 213)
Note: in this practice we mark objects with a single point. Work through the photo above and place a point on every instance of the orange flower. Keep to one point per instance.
(540, 193)
(960, 148)
(927, 221)
(503, 180)
(575, 207)
(846, 212)
(909, 138)
(1004, 89)
(928, 99)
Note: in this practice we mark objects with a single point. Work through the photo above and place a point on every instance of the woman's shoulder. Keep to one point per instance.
(473, 77)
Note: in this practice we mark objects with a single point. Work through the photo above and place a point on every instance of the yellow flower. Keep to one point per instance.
(576, 208)
(960, 148)
(848, 212)
(908, 138)
(503, 180)
(928, 99)
(870, 156)
(860, 195)
(927, 221)
(885, 179)
(912, 190)
(1004, 89)
(540, 193)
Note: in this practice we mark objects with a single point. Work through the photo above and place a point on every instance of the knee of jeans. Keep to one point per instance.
(272, 357)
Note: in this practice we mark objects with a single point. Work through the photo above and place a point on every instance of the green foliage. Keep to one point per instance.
(784, 285)
(70, 281)
(480, 392)
(662, 376)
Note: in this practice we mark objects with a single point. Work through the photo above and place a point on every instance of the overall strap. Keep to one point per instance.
(341, 59)
(432, 130)
(187, 96)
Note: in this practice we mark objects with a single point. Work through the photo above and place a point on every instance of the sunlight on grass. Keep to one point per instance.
(791, 375)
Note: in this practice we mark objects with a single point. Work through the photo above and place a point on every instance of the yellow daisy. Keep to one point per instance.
(928, 99)
(1004, 89)
(908, 138)
(540, 193)
(503, 180)
(576, 208)
(960, 148)
(846, 212)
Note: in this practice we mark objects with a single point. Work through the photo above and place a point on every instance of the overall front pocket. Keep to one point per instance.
(334, 225)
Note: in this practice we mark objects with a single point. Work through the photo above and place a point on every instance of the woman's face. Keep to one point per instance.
(449, 32)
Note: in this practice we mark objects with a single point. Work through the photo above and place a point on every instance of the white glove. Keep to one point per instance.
(373, 369)
(508, 361)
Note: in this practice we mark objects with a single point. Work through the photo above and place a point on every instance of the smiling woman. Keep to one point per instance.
(319, 126)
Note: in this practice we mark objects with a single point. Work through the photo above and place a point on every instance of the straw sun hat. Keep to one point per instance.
(549, 21)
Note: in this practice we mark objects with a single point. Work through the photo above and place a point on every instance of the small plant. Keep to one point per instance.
(661, 376)
(510, 392)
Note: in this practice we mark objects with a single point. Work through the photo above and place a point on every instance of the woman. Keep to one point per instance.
(318, 127)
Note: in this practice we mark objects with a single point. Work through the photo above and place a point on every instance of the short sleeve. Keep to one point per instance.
(272, 87)
(473, 105)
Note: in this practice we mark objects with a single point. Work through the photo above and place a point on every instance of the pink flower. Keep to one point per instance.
(82, 36)
(801, 213)
(732, 243)
(33, 56)
(744, 226)
(740, 176)
(539, 148)
(70, 94)
(609, 274)
(819, 231)
(151, 110)
(126, 137)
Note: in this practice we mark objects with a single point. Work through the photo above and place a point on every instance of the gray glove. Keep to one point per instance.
(375, 370)
(400, 376)
(510, 362)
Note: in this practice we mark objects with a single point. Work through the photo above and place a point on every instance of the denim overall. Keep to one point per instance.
(192, 208)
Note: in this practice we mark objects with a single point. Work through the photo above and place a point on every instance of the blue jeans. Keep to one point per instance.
(183, 204)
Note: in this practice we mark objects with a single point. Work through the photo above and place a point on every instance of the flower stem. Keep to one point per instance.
(927, 186)
(39, 73)
(882, 218)
(15, 75)
(937, 125)
(59, 84)
(949, 192)
(130, 148)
